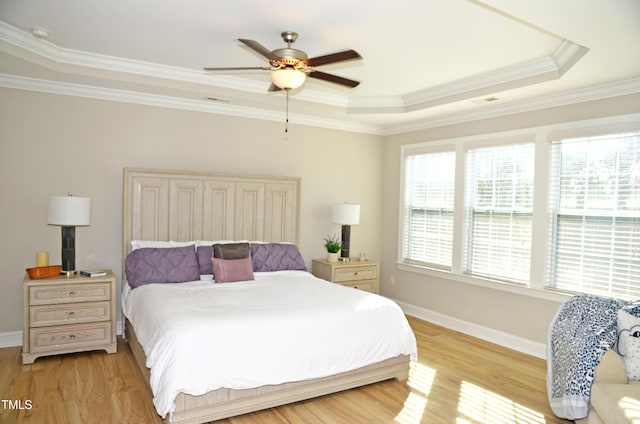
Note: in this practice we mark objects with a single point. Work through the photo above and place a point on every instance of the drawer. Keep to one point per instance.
(69, 336)
(356, 273)
(71, 313)
(366, 285)
(69, 293)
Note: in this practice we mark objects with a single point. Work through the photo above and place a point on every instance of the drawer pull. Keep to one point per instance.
(72, 314)
(72, 337)
(355, 273)
(72, 293)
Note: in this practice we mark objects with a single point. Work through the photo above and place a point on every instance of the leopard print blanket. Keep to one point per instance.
(584, 328)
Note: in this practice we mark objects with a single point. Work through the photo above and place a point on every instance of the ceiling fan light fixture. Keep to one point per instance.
(288, 78)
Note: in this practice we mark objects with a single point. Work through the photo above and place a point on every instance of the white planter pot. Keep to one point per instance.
(332, 257)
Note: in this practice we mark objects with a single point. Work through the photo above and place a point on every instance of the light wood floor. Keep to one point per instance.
(457, 380)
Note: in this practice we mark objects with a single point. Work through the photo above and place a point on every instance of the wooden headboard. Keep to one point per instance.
(183, 206)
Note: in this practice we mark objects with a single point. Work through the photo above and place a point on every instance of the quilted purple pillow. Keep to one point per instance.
(268, 257)
(230, 270)
(205, 253)
(162, 265)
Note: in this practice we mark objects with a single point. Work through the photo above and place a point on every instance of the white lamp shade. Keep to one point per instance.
(346, 214)
(69, 211)
(286, 78)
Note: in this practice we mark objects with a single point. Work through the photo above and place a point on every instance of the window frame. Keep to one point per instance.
(609, 220)
(405, 225)
(470, 212)
(542, 136)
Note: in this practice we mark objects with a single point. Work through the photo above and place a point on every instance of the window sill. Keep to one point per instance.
(520, 289)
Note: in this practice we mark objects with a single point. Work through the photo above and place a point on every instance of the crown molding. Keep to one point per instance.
(514, 76)
(604, 91)
(49, 55)
(15, 37)
(523, 74)
(568, 54)
(599, 92)
(124, 96)
(22, 44)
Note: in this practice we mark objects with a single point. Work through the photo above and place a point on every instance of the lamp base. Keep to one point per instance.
(68, 273)
(346, 241)
(68, 250)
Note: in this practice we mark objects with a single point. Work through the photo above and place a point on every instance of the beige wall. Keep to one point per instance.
(521, 316)
(52, 144)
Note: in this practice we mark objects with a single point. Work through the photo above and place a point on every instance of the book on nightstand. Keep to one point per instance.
(94, 273)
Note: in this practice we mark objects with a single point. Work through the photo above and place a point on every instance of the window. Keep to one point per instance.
(499, 205)
(554, 207)
(595, 215)
(429, 186)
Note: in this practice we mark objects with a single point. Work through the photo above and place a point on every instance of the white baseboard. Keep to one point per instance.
(14, 338)
(10, 339)
(485, 333)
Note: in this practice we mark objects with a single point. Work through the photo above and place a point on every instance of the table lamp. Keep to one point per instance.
(69, 212)
(346, 214)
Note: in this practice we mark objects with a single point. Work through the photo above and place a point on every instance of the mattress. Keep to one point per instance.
(283, 326)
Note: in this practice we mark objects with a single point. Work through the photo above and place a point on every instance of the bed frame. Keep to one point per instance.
(185, 206)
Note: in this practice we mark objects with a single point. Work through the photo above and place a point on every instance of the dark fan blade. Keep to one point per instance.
(334, 78)
(333, 58)
(242, 68)
(259, 48)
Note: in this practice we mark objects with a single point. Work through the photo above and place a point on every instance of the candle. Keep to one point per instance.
(42, 258)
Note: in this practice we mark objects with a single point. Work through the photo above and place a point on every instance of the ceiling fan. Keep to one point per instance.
(290, 67)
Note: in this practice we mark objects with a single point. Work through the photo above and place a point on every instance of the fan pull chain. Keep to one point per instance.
(286, 122)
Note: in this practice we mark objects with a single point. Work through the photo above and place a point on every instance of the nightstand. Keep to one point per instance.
(360, 275)
(68, 314)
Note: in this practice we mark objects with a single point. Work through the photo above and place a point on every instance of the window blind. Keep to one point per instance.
(595, 215)
(499, 208)
(429, 187)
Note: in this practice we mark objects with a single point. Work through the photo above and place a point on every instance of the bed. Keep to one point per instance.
(294, 336)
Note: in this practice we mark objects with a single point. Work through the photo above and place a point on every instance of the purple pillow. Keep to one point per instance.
(276, 257)
(205, 253)
(162, 265)
(229, 270)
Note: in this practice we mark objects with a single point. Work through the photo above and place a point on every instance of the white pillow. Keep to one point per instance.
(627, 326)
(212, 242)
(139, 244)
(632, 357)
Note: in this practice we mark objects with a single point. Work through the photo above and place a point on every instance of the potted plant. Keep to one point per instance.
(333, 246)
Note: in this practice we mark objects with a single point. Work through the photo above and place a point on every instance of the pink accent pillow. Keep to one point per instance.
(230, 270)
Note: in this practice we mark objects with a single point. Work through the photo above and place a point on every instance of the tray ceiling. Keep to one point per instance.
(424, 63)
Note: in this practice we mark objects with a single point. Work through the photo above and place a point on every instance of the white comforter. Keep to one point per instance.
(284, 326)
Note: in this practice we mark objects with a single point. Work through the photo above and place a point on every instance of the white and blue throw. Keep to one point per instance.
(584, 328)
